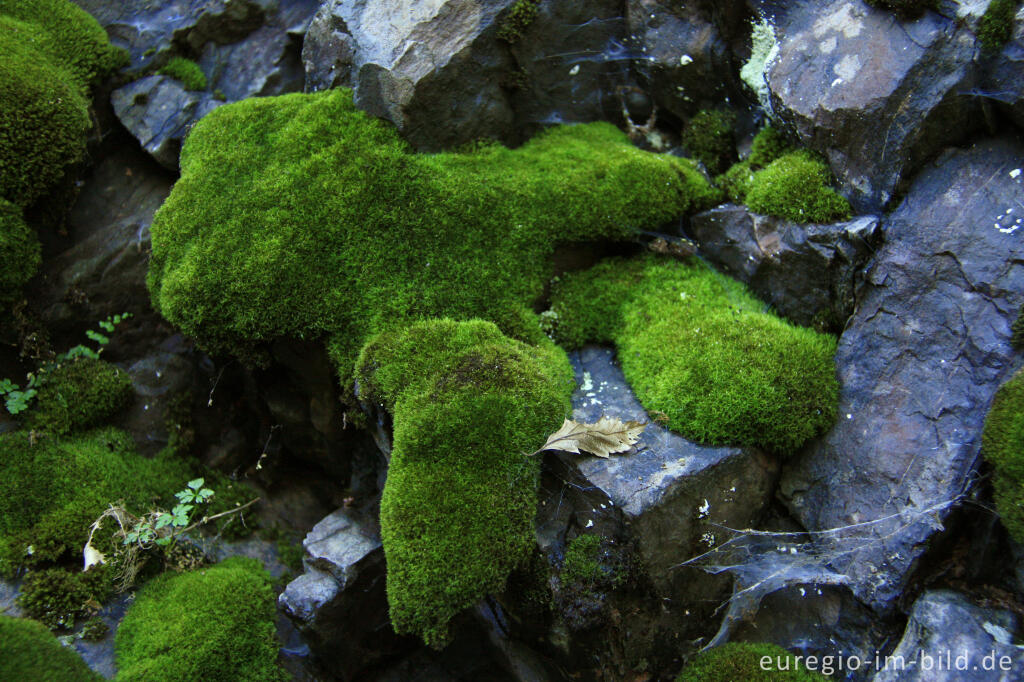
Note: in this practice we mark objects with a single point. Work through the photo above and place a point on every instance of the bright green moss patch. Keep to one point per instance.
(1003, 447)
(996, 26)
(19, 252)
(299, 216)
(28, 651)
(79, 394)
(697, 346)
(458, 506)
(52, 488)
(768, 145)
(186, 71)
(709, 138)
(749, 662)
(796, 187)
(52, 52)
(214, 624)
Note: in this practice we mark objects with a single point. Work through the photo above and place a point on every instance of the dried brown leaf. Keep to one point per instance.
(604, 438)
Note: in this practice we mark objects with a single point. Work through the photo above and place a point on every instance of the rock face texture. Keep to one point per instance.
(948, 638)
(918, 366)
(1003, 75)
(809, 273)
(874, 95)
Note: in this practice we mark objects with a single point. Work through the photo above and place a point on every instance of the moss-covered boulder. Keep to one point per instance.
(768, 145)
(79, 394)
(751, 662)
(1003, 447)
(28, 651)
(299, 216)
(214, 624)
(19, 252)
(699, 347)
(457, 512)
(795, 186)
(52, 52)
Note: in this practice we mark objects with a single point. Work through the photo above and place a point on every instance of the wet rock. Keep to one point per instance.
(948, 638)
(918, 366)
(159, 112)
(99, 655)
(875, 95)
(161, 382)
(339, 604)
(808, 273)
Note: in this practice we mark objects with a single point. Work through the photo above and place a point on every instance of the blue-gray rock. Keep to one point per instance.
(808, 273)
(1002, 82)
(918, 366)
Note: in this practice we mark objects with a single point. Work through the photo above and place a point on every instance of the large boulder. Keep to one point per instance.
(808, 273)
(875, 95)
(918, 366)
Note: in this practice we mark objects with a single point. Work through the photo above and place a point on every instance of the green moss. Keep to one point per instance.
(996, 26)
(52, 488)
(1003, 447)
(709, 138)
(736, 181)
(458, 506)
(768, 145)
(52, 53)
(750, 662)
(79, 394)
(215, 623)
(299, 216)
(1017, 332)
(519, 17)
(28, 651)
(95, 629)
(56, 597)
(908, 8)
(582, 559)
(697, 346)
(186, 71)
(796, 187)
(19, 252)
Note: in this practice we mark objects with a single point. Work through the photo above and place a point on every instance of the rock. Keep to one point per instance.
(328, 52)
(99, 655)
(162, 381)
(1003, 75)
(876, 96)
(339, 604)
(948, 638)
(918, 366)
(159, 112)
(808, 273)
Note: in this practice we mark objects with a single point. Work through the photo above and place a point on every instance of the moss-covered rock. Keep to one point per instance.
(215, 623)
(995, 28)
(79, 394)
(19, 252)
(56, 597)
(186, 71)
(751, 662)
(299, 216)
(28, 651)
(518, 19)
(1003, 447)
(457, 512)
(699, 347)
(709, 138)
(53, 52)
(795, 186)
(768, 145)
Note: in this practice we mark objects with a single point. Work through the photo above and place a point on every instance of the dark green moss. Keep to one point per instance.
(708, 137)
(215, 623)
(698, 347)
(56, 597)
(796, 187)
(28, 651)
(1017, 332)
(749, 662)
(19, 252)
(95, 629)
(299, 216)
(1003, 447)
(79, 394)
(582, 559)
(458, 506)
(52, 52)
(519, 17)
(186, 71)
(995, 28)
(909, 8)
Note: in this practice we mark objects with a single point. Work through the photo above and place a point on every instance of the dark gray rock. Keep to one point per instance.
(161, 381)
(1003, 76)
(875, 95)
(918, 366)
(328, 52)
(950, 639)
(100, 655)
(159, 112)
(809, 273)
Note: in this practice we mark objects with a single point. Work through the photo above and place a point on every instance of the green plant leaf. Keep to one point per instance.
(196, 484)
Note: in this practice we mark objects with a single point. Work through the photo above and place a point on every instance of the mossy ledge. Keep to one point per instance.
(699, 347)
(458, 506)
(748, 661)
(1002, 445)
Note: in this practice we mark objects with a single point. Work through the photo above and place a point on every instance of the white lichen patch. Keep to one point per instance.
(848, 67)
(764, 49)
(685, 60)
(574, 70)
(588, 382)
(708, 539)
(846, 20)
(704, 510)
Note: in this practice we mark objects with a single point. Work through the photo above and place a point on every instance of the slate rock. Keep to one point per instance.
(949, 639)
(918, 366)
(808, 273)
(874, 95)
(1002, 82)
